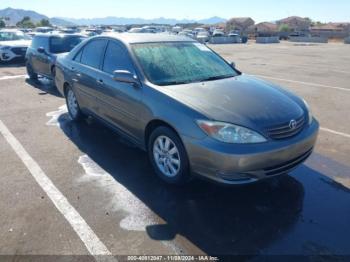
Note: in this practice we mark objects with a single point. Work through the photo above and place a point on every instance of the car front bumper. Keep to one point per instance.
(247, 163)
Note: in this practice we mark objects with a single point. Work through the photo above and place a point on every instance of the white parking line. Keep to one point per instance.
(305, 83)
(335, 132)
(12, 77)
(93, 244)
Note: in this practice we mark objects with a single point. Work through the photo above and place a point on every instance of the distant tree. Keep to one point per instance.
(44, 22)
(239, 24)
(25, 23)
(317, 23)
(2, 23)
(284, 28)
(308, 19)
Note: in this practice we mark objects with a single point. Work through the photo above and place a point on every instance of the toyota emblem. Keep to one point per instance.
(292, 124)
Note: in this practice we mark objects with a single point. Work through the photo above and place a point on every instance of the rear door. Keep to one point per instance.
(85, 70)
(39, 60)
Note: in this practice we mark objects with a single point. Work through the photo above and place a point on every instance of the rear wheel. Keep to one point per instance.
(168, 156)
(72, 105)
(30, 71)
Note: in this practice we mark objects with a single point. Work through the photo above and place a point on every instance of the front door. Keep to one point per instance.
(119, 103)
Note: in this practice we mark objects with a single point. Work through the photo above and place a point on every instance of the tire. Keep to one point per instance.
(165, 161)
(53, 75)
(73, 106)
(30, 71)
(53, 72)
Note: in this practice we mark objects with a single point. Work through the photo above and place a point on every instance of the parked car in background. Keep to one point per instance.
(26, 30)
(43, 29)
(236, 37)
(135, 30)
(187, 32)
(203, 36)
(299, 34)
(13, 45)
(193, 112)
(69, 30)
(218, 33)
(149, 29)
(198, 30)
(42, 53)
(119, 29)
(89, 32)
(176, 29)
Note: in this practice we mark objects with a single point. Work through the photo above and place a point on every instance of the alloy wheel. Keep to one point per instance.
(72, 104)
(166, 156)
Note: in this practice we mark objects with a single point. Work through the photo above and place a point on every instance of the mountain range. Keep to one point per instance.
(113, 20)
(15, 15)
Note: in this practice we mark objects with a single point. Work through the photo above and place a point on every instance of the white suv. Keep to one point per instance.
(13, 45)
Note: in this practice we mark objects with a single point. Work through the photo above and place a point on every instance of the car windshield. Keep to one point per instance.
(13, 36)
(180, 62)
(64, 44)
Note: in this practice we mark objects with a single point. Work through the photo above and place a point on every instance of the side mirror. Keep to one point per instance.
(233, 65)
(125, 77)
(41, 50)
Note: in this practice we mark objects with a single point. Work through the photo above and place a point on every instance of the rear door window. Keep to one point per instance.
(40, 41)
(93, 53)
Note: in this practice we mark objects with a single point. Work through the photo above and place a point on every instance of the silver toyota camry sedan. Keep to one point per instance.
(193, 112)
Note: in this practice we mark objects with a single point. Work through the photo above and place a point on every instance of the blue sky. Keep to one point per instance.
(259, 10)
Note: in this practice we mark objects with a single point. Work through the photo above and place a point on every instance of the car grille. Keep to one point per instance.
(285, 131)
(19, 50)
(287, 166)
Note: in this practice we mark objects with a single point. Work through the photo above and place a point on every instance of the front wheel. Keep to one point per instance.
(73, 106)
(168, 156)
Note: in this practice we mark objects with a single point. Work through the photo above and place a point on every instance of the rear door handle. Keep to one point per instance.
(99, 81)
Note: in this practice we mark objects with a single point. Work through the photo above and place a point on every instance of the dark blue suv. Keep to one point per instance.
(41, 55)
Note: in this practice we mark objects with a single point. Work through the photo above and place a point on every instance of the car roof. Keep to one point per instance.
(133, 38)
(9, 30)
(56, 35)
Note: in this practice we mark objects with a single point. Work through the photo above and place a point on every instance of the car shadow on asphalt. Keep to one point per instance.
(219, 220)
(13, 64)
(45, 85)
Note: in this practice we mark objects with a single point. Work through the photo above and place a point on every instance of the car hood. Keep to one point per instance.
(241, 100)
(16, 43)
(62, 55)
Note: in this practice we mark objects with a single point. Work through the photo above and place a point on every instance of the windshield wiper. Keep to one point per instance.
(212, 78)
(168, 83)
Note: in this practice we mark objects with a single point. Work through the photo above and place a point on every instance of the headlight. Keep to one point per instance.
(310, 116)
(230, 133)
(5, 47)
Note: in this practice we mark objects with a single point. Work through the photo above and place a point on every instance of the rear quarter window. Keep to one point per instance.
(64, 44)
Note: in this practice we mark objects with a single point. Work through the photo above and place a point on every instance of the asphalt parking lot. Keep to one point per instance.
(78, 189)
